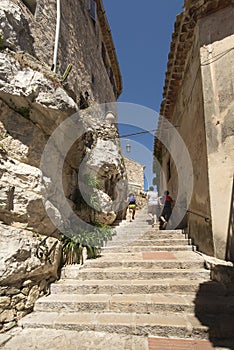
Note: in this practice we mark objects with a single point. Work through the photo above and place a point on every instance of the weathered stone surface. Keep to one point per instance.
(7, 316)
(18, 298)
(38, 107)
(135, 175)
(105, 210)
(32, 94)
(42, 285)
(25, 290)
(18, 258)
(206, 59)
(61, 339)
(14, 27)
(32, 297)
(20, 306)
(105, 163)
(191, 307)
(9, 325)
(27, 283)
(12, 291)
(25, 205)
(33, 103)
(3, 290)
(4, 301)
(18, 262)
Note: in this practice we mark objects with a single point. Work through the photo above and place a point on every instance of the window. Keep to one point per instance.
(112, 80)
(168, 170)
(92, 7)
(104, 54)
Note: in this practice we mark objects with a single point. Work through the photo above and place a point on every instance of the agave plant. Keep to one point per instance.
(72, 250)
(74, 243)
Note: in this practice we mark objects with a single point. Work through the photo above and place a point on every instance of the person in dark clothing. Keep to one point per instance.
(165, 202)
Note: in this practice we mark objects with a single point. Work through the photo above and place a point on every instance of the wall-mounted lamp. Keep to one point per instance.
(110, 118)
(128, 148)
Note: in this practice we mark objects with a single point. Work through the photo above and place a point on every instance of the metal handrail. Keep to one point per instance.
(207, 219)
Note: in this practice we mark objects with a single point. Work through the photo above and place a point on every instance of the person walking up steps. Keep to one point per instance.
(152, 200)
(166, 203)
(132, 206)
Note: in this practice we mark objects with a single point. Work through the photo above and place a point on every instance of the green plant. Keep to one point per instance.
(72, 250)
(91, 183)
(67, 71)
(73, 243)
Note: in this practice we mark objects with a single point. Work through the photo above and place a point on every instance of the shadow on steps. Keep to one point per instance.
(214, 308)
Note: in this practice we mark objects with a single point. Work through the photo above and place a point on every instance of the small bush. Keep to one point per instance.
(73, 243)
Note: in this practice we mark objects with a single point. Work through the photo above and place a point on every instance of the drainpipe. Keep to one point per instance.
(57, 35)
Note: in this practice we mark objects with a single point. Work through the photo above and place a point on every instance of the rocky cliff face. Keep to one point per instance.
(33, 105)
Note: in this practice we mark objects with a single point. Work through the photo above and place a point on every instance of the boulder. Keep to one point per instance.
(20, 256)
(33, 94)
(14, 27)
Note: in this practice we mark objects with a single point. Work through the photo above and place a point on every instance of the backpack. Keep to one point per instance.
(132, 200)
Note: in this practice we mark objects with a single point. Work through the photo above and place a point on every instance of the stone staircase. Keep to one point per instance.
(148, 286)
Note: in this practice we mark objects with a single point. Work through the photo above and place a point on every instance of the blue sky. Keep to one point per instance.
(142, 34)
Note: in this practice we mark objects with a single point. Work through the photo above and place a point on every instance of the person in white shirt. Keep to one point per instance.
(152, 200)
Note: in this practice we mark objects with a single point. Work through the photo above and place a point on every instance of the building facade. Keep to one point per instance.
(198, 102)
(135, 175)
(71, 36)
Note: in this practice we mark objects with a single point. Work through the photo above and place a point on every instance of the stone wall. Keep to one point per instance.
(217, 59)
(83, 43)
(26, 272)
(34, 103)
(198, 99)
(135, 175)
(188, 114)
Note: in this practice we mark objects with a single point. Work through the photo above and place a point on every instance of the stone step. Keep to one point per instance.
(156, 239)
(139, 221)
(150, 235)
(166, 232)
(151, 231)
(150, 240)
(61, 339)
(140, 242)
(144, 264)
(171, 324)
(142, 286)
(132, 248)
(142, 303)
(140, 227)
(79, 273)
(158, 256)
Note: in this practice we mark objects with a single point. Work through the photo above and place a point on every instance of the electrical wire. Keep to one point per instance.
(217, 57)
(137, 133)
(205, 63)
(147, 131)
